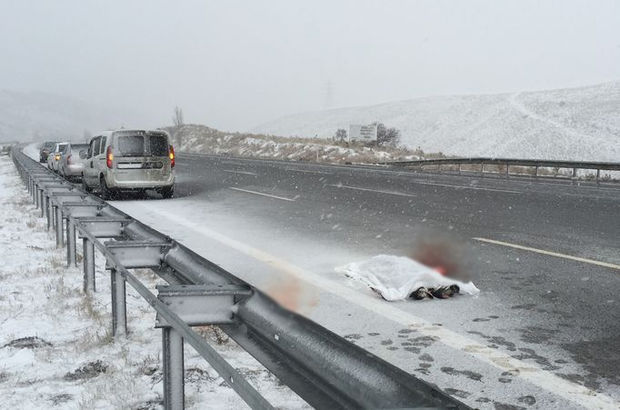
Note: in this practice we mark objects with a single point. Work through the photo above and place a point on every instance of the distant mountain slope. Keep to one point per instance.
(577, 123)
(36, 116)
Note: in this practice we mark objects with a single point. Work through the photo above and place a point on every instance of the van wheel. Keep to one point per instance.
(85, 187)
(167, 192)
(106, 193)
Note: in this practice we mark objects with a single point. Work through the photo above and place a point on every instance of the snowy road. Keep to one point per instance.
(541, 334)
(543, 331)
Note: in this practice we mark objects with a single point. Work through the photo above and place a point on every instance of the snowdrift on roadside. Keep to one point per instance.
(395, 277)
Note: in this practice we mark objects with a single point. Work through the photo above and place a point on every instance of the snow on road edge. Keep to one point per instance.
(70, 359)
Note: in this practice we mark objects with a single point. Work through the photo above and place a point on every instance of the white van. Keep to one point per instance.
(129, 161)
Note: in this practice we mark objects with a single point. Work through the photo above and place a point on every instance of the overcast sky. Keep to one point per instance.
(235, 64)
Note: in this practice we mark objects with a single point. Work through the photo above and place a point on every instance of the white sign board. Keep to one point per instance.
(363, 132)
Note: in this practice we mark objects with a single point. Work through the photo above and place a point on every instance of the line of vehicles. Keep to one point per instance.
(116, 162)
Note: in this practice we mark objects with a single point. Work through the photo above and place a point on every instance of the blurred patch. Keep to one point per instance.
(289, 293)
(446, 253)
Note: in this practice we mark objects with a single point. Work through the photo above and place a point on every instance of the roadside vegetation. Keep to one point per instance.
(202, 139)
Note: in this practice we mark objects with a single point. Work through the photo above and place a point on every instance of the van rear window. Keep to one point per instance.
(159, 145)
(130, 146)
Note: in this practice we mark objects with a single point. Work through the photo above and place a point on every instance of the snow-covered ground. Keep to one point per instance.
(572, 124)
(56, 349)
(193, 138)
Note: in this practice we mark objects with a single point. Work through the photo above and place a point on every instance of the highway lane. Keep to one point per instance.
(558, 314)
(578, 220)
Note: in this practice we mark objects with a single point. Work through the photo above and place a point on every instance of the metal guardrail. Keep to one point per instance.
(510, 162)
(324, 369)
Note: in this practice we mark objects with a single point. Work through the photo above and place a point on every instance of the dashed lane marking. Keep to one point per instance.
(305, 171)
(373, 190)
(478, 188)
(549, 253)
(263, 194)
(232, 171)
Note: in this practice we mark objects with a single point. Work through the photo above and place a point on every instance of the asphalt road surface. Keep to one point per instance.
(544, 331)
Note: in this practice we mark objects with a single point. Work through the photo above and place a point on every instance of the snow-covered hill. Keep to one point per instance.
(577, 123)
(37, 116)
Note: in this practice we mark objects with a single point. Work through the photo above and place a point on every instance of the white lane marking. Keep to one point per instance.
(373, 190)
(549, 253)
(466, 187)
(532, 373)
(263, 194)
(232, 171)
(307, 171)
(229, 162)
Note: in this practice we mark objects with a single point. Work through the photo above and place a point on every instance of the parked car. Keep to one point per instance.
(53, 159)
(45, 149)
(130, 161)
(72, 161)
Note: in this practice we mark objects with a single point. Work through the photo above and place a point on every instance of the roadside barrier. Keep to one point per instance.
(324, 369)
(503, 167)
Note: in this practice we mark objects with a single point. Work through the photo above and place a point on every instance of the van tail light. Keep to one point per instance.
(68, 159)
(109, 157)
(171, 155)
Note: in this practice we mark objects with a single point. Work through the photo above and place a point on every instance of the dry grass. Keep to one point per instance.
(148, 365)
(198, 138)
(213, 333)
(86, 308)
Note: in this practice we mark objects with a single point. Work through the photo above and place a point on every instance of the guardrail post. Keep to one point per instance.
(89, 265)
(574, 178)
(48, 211)
(35, 194)
(459, 168)
(42, 202)
(71, 243)
(196, 305)
(507, 170)
(41, 198)
(173, 363)
(60, 240)
(119, 311)
(482, 170)
(536, 171)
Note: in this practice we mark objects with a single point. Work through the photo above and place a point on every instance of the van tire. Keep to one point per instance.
(167, 192)
(106, 193)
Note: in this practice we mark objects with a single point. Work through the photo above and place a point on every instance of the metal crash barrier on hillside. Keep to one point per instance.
(504, 166)
(323, 368)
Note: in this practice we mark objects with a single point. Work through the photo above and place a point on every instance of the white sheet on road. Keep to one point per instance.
(396, 277)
